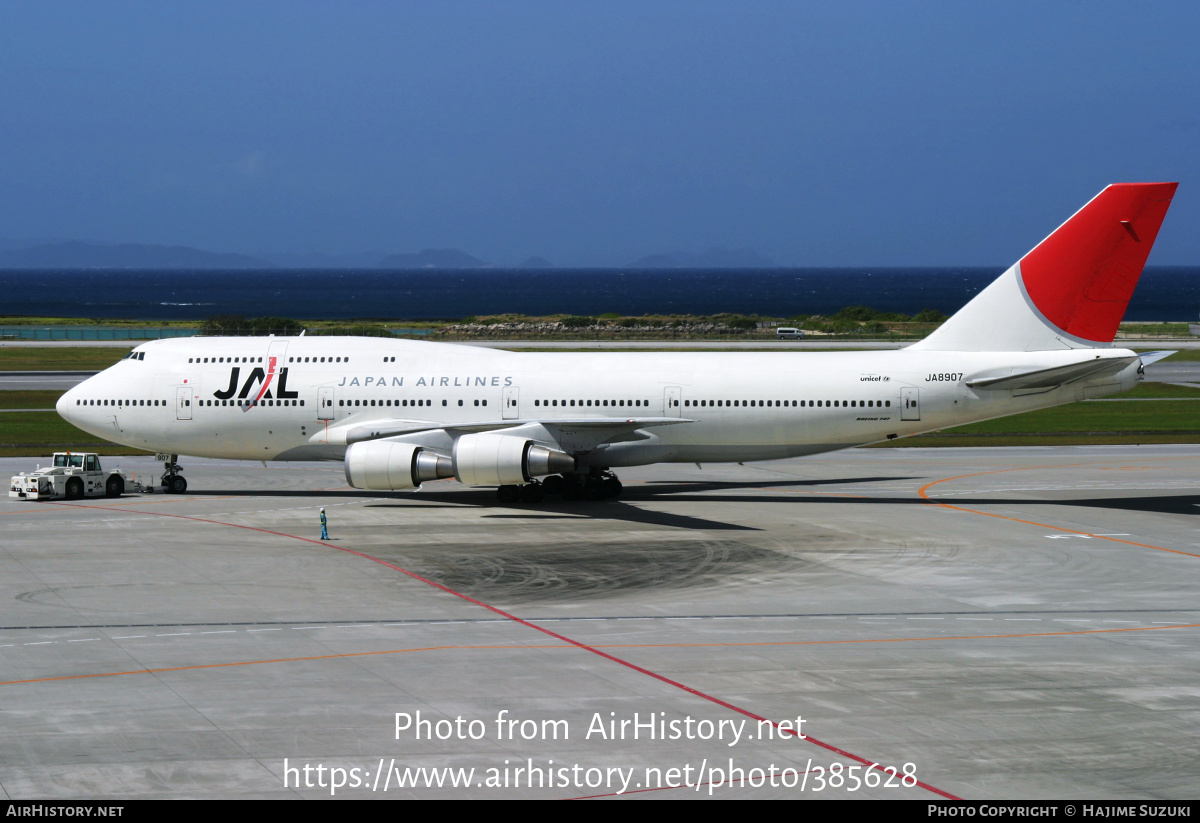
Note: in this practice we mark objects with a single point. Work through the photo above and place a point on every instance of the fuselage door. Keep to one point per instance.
(183, 403)
(910, 408)
(325, 403)
(671, 401)
(512, 407)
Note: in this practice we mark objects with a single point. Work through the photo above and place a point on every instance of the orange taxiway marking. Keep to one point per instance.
(513, 647)
(923, 492)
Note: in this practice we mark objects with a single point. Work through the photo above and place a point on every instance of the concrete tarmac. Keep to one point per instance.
(992, 623)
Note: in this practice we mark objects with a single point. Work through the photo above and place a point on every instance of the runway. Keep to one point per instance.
(42, 380)
(989, 623)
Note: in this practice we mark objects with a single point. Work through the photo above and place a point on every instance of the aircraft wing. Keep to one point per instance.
(382, 429)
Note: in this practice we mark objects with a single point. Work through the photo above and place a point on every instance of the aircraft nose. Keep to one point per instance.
(66, 404)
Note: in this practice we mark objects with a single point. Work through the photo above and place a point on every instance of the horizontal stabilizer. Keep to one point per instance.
(1148, 357)
(1051, 378)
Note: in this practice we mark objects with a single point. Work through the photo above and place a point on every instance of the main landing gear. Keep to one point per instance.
(172, 481)
(599, 484)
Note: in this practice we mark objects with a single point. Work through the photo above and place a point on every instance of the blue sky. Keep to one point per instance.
(592, 133)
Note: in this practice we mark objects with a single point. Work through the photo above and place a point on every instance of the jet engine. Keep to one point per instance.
(499, 460)
(382, 466)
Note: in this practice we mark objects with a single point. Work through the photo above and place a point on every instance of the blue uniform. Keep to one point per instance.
(324, 531)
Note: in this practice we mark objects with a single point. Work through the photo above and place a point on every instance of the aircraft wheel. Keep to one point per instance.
(572, 490)
(594, 490)
(554, 484)
(507, 494)
(178, 485)
(612, 487)
(115, 487)
(532, 493)
(74, 489)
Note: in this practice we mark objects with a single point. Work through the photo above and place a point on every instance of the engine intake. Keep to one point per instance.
(500, 460)
(382, 466)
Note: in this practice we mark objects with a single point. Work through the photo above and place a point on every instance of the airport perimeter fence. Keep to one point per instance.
(93, 333)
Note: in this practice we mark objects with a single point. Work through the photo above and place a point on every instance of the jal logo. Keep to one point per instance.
(257, 377)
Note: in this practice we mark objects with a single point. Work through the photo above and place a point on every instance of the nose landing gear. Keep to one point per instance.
(172, 481)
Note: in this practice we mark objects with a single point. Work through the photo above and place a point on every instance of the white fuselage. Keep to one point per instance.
(204, 397)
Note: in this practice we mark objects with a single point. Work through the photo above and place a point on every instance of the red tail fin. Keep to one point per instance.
(1081, 277)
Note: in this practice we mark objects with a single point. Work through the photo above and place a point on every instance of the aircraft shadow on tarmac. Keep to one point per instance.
(581, 564)
(706, 493)
(624, 508)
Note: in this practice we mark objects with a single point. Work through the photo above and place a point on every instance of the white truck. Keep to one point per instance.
(72, 476)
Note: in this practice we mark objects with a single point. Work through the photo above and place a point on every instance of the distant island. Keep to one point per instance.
(433, 259)
(319, 260)
(711, 259)
(79, 255)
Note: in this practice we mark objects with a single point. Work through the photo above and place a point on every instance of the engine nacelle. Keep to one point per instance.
(499, 460)
(383, 466)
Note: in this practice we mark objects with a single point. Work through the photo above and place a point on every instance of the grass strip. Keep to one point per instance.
(42, 433)
(60, 358)
(1157, 390)
(950, 440)
(29, 399)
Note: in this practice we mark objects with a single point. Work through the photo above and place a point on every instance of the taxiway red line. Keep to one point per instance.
(576, 643)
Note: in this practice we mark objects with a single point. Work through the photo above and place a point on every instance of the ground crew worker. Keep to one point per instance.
(324, 523)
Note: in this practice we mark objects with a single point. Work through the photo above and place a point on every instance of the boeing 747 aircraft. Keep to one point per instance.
(400, 413)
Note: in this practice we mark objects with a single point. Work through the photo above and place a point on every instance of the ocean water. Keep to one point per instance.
(1167, 294)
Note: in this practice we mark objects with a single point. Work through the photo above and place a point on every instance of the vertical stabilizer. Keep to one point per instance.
(1071, 291)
